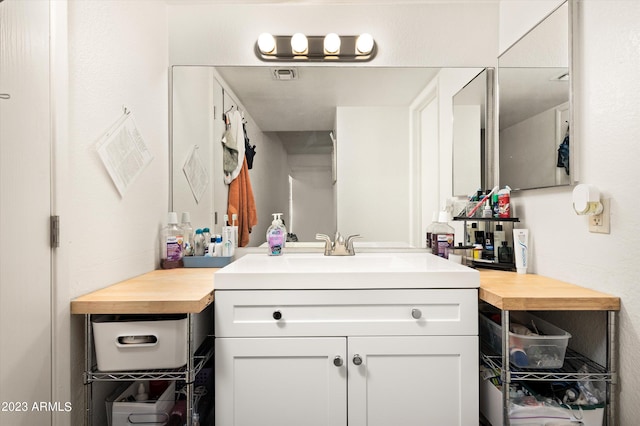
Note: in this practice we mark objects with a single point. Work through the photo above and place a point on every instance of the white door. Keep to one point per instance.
(25, 196)
(280, 382)
(411, 381)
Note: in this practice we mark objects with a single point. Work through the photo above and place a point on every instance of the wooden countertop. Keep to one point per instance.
(190, 290)
(168, 291)
(511, 291)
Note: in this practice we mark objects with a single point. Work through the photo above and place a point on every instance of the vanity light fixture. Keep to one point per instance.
(299, 44)
(364, 45)
(330, 48)
(267, 44)
(332, 44)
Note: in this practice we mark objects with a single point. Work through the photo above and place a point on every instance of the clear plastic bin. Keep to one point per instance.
(542, 351)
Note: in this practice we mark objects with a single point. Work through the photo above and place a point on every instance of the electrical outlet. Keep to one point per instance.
(600, 223)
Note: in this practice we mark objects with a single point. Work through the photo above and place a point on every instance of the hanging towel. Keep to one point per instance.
(229, 153)
(235, 139)
(250, 151)
(242, 203)
(563, 153)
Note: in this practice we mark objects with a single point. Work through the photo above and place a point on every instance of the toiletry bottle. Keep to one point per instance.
(217, 247)
(505, 254)
(487, 211)
(495, 205)
(504, 202)
(171, 243)
(498, 237)
(227, 241)
(442, 236)
(429, 230)
(206, 233)
(211, 247)
(234, 219)
(187, 230)
(198, 243)
(276, 235)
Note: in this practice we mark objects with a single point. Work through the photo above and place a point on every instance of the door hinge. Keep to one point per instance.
(55, 231)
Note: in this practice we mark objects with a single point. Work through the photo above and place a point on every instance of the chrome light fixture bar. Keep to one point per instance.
(330, 48)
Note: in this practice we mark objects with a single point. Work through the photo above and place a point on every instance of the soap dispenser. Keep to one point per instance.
(276, 235)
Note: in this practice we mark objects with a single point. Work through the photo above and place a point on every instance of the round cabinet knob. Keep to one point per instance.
(277, 315)
(337, 361)
(416, 313)
(357, 359)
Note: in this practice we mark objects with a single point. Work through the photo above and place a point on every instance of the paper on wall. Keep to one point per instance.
(196, 174)
(124, 153)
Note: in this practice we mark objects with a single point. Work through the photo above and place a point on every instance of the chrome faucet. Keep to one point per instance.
(339, 247)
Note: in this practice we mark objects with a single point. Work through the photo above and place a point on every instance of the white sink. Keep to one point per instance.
(364, 270)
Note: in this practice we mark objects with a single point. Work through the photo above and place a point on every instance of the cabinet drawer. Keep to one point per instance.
(345, 312)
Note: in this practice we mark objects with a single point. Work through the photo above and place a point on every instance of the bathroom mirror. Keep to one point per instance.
(350, 183)
(534, 91)
(473, 134)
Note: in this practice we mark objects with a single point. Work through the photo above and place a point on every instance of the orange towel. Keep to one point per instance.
(242, 203)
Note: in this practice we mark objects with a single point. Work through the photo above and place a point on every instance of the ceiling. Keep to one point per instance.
(302, 110)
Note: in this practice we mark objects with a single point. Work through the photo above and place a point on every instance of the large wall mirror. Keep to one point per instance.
(333, 146)
(473, 134)
(534, 89)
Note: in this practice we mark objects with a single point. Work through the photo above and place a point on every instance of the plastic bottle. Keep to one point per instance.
(198, 243)
(498, 237)
(504, 202)
(206, 233)
(442, 236)
(276, 235)
(211, 247)
(429, 230)
(227, 241)
(229, 233)
(234, 218)
(217, 247)
(171, 243)
(187, 229)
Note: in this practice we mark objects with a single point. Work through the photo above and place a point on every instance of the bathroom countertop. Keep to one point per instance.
(190, 290)
(520, 292)
(165, 291)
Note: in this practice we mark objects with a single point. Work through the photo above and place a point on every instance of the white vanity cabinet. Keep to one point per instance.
(364, 357)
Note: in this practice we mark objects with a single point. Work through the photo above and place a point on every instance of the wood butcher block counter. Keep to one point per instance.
(511, 291)
(190, 290)
(168, 291)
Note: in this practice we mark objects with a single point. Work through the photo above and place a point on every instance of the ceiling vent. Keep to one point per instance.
(285, 74)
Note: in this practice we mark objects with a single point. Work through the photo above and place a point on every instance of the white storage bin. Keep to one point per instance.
(138, 342)
(125, 413)
(542, 351)
(491, 408)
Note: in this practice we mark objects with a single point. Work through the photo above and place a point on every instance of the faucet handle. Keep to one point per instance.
(327, 243)
(350, 239)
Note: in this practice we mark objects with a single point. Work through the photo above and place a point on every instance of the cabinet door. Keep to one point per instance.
(411, 381)
(280, 382)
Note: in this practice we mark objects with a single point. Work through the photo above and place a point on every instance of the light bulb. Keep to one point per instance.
(364, 44)
(299, 43)
(266, 43)
(332, 43)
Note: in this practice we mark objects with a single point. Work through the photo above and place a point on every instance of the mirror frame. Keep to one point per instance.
(571, 61)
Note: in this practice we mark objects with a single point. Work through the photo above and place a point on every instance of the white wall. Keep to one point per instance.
(607, 126)
(313, 199)
(372, 200)
(117, 55)
(448, 33)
